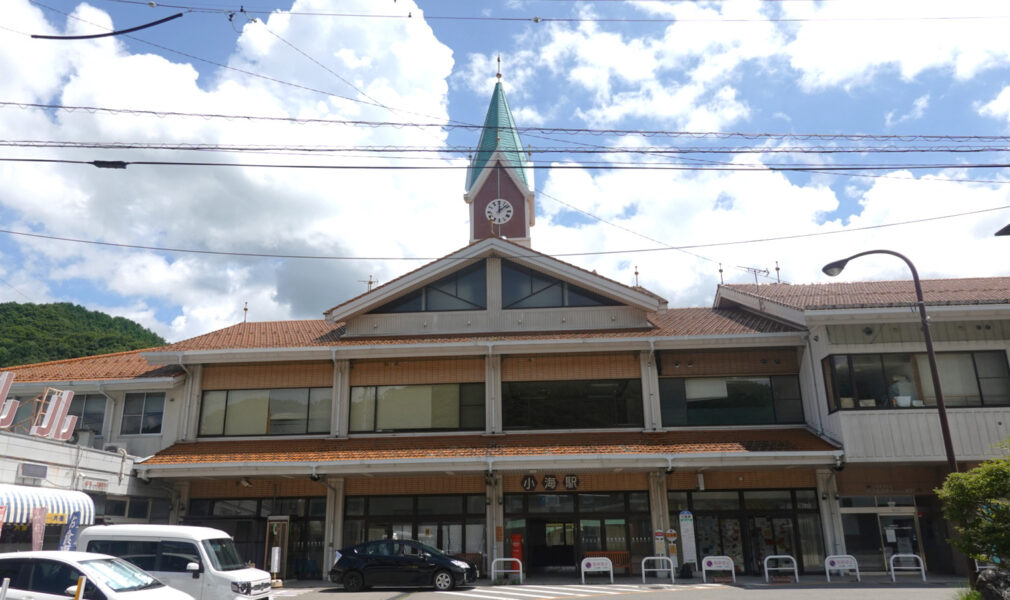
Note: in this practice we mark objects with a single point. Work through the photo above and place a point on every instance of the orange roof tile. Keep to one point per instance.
(121, 365)
(319, 333)
(878, 294)
(480, 446)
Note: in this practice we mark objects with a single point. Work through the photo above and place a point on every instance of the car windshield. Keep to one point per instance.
(223, 554)
(118, 575)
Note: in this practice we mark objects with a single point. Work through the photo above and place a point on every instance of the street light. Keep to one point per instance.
(834, 268)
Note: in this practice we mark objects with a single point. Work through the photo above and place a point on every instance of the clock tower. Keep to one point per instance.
(499, 180)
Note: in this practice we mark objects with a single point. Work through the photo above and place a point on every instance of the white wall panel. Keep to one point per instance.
(914, 434)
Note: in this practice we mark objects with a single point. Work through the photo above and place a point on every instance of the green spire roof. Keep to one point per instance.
(499, 134)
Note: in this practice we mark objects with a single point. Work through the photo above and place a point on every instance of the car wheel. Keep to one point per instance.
(353, 582)
(444, 581)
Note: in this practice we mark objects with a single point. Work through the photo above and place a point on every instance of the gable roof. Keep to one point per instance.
(498, 135)
(875, 294)
(105, 367)
(480, 250)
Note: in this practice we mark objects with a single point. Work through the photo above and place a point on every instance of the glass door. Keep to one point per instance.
(769, 536)
(720, 536)
(901, 536)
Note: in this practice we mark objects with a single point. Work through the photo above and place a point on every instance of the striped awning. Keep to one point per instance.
(59, 504)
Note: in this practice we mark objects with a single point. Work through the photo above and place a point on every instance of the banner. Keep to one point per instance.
(69, 540)
(38, 527)
(687, 537)
(3, 516)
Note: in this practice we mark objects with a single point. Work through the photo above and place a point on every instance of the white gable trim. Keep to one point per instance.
(489, 166)
(479, 251)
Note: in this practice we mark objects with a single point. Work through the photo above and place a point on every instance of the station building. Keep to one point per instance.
(499, 402)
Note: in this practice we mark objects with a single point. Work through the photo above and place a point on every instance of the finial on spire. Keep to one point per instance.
(499, 68)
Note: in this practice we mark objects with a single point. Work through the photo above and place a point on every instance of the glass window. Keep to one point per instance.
(138, 508)
(601, 502)
(730, 400)
(465, 289)
(676, 502)
(391, 505)
(729, 500)
(768, 500)
(513, 503)
(806, 499)
(475, 504)
(638, 501)
(905, 380)
(212, 413)
(572, 404)
(354, 507)
(283, 411)
(176, 555)
(51, 577)
(234, 508)
(439, 505)
(142, 413)
(413, 407)
(552, 503)
(526, 288)
(90, 412)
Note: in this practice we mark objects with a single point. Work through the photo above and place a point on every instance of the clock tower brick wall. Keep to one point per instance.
(499, 185)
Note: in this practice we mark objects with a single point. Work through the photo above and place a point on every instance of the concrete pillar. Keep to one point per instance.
(831, 519)
(495, 518)
(658, 506)
(650, 391)
(341, 399)
(180, 502)
(492, 394)
(334, 528)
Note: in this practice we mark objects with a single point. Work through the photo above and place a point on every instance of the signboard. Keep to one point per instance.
(595, 564)
(718, 563)
(671, 545)
(3, 516)
(53, 421)
(842, 562)
(38, 527)
(8, 408)
(571, 481)
(658, 541)
(550, 482)
(95, 485)
(687, 533)
(529, 483)
(69, 539)
(56, 518)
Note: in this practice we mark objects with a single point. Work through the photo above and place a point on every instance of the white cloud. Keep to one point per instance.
(998, 107)
(915, 113)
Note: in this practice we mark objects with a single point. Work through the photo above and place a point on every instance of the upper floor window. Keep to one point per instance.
(465, 289)
(761, 400)
(587, 404)
(417, 407)
(874, 381)
(285, 411)
(526, 288)
(142, 413)
(90, 412)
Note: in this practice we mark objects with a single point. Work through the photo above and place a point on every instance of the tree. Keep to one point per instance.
(977, 503)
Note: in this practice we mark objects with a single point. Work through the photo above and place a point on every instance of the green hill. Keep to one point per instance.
(31, 333)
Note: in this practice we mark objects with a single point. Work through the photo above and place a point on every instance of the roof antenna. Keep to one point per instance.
(499, 68)
(245, 312)
(777, 278)
(370, 282)
(756, 271)
(721, 282)
(636, 275)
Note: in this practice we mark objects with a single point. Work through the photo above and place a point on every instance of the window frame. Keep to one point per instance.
(834, 400)
(774, 405)
(392, 307)
(372, 393)
(143, 414)
(566, 289)
(85, 398)
(636, 404)
(224, 416)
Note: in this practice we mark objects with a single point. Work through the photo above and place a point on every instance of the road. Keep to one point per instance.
(632, 591)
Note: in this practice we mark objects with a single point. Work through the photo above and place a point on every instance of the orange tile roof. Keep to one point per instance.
(481, 446)
(878, 294)
(120, 365)
(319, 333)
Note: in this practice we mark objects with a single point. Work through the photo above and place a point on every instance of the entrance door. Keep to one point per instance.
(901, 536)
(768, 536)
(277, 536)
(551, 543)
(720, 536)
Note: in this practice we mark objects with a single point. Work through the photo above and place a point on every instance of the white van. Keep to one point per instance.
(200, 561)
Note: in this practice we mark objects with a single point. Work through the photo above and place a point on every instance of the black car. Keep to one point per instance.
(399, 563)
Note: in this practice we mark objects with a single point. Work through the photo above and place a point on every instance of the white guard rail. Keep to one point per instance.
(597, 564)
(3, 588)
(662, 560)
(495, 571)
(717, 563)
(919, 567)
(787, 557)
(841, 563)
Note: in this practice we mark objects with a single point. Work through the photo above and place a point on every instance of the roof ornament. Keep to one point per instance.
(499, 68)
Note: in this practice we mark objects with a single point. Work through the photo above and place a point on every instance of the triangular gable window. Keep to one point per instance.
(465, 289)
(526, 288)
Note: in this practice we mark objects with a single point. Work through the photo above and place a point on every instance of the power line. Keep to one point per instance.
(701, 135)
(557, 255)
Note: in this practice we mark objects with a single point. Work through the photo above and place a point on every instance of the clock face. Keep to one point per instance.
(498, 211)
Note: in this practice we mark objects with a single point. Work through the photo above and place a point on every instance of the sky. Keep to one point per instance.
(690, 142)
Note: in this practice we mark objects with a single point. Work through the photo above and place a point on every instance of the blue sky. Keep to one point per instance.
(828, 67)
